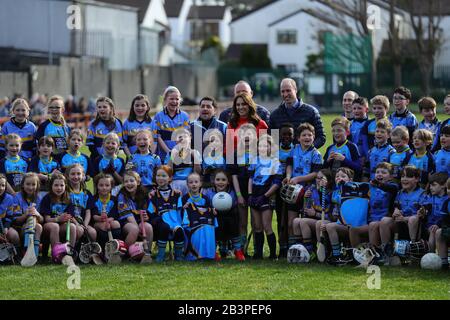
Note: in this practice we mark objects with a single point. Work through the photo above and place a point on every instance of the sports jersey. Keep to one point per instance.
(315, 201)
(55, 209)
(377, 155)
(398, 159)
(59, 133)
(283, 155)
(44, 166)
(168, 205)
(357, 138)
(110, 206)
(211, 192)
(201, 132)
(265, 173)
(381, 200)
(303, 161)
(7, 209)
(22, 204)
(354, 204)
(145, 164)
(423, 162)
(200, 223)
(430, 126)
(26, 132)
(437, 140)
(407, 119)
(130, 128)
(184, 165)
(127, 207)
(97, 133)
(368, 132)
(164, 126)
(349, 150)
(14, 169)
(106, 165)
(81, 201)
(66, 159)
(436, 204)
(409, 202)
(442, 161)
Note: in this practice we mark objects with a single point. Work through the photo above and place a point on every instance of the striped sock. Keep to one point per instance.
(236, 243)
(336, 250)
(36, 247)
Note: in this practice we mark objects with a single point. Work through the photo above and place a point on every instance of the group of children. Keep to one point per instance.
(162, 189)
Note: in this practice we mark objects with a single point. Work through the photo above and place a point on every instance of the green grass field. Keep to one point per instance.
(224, 280)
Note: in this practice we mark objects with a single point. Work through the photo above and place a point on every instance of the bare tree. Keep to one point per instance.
(425, 18)
(395, 44)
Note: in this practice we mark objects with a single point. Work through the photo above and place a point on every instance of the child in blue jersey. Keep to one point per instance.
(138, 119)
(381, 203)
(13, 166)
(443, 233)
(399, 140)
(167, 121)
(407, 203)
(402, 116)
(360, 108)
(265, 179)
(165, 214)
(55, 126)
(58, 210)
(434, 203)
(306, 227)
(446, 122)
(132, 199)
(442, 156)
(183, 160)
(108, 162)
(422, 158)
(75, 141)
(143, 161)
(343, 153)
(27, 203)
(199, 221)
(382, 149)
(302, 165)
(20, 125)
(104, 210)
(228, 221)
(380, 108)
(80, 197)
(286, 146)
(43, 164)
(105, 122)
(427, 107)
(7, 212)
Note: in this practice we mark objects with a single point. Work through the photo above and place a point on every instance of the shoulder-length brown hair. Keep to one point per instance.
(252, 115)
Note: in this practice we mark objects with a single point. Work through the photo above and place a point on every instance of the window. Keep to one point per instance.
(287, 37)
(203, 30)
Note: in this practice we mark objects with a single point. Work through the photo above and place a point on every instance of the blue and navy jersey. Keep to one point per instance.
(66, 159)
(350, 151)
(97, 133)
(336, 198)
(304, 162)
(266, 172)
(398, 160)
(442, 161)
(381, 201)
(407, 119)
(7, 209)
(445, 211)
(425, 163)
(167, 205)
(127, 208)
(357, 138)
(26, 132)
(211, 192)
(436, 204)
(21, 204)
(130, 128)
(377, 155)
(81, 201)
(433, 127)
(198, 130)
(110, 206)
(316, 201)
(42, 166)
(164, 126)
(145, 164)
(368, 132)
(211, 163)
(283, 155)
(55, 208)
(101, 164)
(14, 170)
(199, 212)
(182, 170)
(437, 140)
(57, 131)
(410, 202)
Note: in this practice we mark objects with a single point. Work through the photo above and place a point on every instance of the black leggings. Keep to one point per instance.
(228, 224)
(162, 231)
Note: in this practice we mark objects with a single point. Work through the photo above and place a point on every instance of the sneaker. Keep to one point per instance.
(217, 257)
(239, 255)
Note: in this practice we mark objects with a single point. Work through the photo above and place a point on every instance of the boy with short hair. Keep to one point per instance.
(446, 122)
(442, 157)
(422, 158)
(342, 153)
(382, 149)
(380, 107)
(427, 107)
(360, 108)
(399, 140)
(402, 116)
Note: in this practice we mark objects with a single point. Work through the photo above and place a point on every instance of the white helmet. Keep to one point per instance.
(364, 255)
(298, 254)
(292, 193)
